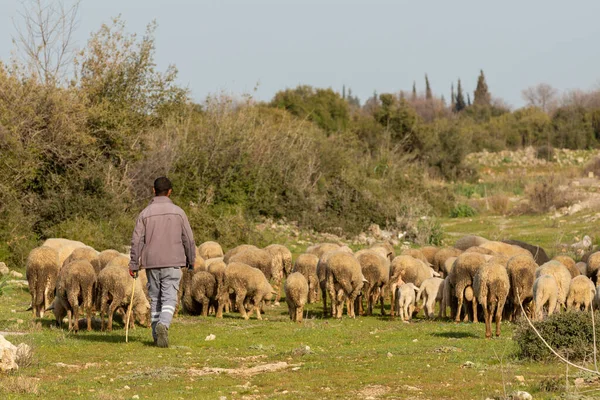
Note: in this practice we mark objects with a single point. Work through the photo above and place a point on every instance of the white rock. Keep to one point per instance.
(8, 353)
(3, 269)
(135, 396)
(521, 395)
(520, 378)
(126, 387)
(210, 337)
(16, 274)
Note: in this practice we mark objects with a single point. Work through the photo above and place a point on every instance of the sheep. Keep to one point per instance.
(569, 263)
(202, 291)
(306, 264)
(75, 288)
(296, 295)
(185, 284)
(448, 265)
(491, 286)
(429, 253)
(596, 301)
(282, 265)
(376, 270)
(505, 249)
(405, 297)
(415, 253)
(431, 290)
(105, 257)
(469, 241)
(562, 276)
(581, 292)
(262, 260)
(42, 270)
(480, 250)
(114, 289)
(442, 255)
(344, 281)
(216, 267)
(593, 267)
(521, 272)
(538, 253)
(236, 250)
(210, 250)
(462, 275)
(84, 253)
(322, 248)
(406, 269)
(387, 250)
(246, 281)
(545, 291)
(582, 267)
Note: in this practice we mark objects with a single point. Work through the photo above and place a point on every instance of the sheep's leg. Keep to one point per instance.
(393, 304)
(299, 312)
(499, 308)
(205, 302)
(332, 295)
(103, 309)
(460, 304)
(257, 306)
(69, 315)
(382, 301)
(116, 301)
(487, 316)
(474, 303)
(240, 296)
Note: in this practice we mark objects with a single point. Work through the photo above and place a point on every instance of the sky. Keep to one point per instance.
(259, 47)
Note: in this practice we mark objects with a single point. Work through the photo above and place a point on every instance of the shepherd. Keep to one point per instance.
(162, 243)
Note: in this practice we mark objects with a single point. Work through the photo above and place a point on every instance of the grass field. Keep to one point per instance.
(368, 357)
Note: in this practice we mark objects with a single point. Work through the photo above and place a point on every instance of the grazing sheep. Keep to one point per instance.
(114, 289)
(446, 289)
(545, 292)
(521, 272)
(582, 267)
(296, 295)
(210, 250)
(407, 269)
(344, 281)
(581, 293)
(202, 291)
(596, 302)
(236, 250)
(184, 295)
(261, 259)
(491, 285)
(593, 267)
(405, 298)
(504, 249)
(462, 275)
(448, 265)
(75, 288)
(562, 276)
(105, 257)
(306, 264)
(84, 253)
(569, 263)
(429, 253)
(442, 255)
(415, 253)
(469, 241)
(248, 284)
(386, 249)
(282, 265)
(431, 290)
(376, 270)
(480, 250)
(41, 271)
(322, 248)
(216, 267)
(538, 253)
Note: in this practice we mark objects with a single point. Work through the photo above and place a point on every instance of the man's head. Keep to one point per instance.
(162, 186)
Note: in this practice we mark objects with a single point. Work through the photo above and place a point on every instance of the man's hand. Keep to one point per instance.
(189, 266)
(133, 274)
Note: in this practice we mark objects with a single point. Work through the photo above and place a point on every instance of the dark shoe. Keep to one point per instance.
(162, 335)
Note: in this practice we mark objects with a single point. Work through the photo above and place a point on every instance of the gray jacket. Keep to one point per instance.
(162, 237)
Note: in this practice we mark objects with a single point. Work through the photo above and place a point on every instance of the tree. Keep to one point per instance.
(452, 97)
(45, 38)
(428, 94)
(460, 99)
(414, 91)
(482, 95)
(542, 96)
(468, 100)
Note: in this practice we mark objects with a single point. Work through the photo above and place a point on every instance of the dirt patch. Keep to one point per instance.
(258, 369)
(373, 391)
(249, 358)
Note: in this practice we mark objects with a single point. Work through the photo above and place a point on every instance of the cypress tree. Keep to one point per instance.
(460, 99)
(468, 100)
(482, 95)
(452, 96)
(414, 91)
(344, 92)
(428, 94)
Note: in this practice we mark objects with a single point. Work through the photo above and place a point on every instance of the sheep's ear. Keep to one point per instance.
(365, 281)
(436, 274)
(399, 281)
(30, 307)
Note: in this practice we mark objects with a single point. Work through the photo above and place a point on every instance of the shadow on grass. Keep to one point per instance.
(455, 335)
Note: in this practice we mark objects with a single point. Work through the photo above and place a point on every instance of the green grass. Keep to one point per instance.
(367, 356)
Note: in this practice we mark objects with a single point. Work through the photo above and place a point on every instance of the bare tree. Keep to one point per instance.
(45, 38)
(542, 95)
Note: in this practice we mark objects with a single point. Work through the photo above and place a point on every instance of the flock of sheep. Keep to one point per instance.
(503, 278)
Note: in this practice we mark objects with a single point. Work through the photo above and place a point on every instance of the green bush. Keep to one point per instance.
(545, 152)
(569, 333)
(462, 211)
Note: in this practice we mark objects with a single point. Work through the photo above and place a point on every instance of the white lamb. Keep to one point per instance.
(405, 300)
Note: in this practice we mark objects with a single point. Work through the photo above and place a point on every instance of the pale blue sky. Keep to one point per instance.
(368, 45)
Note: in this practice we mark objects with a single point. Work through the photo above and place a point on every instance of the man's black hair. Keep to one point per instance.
(162, 186)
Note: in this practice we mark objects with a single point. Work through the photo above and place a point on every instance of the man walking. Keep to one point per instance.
(162, 243)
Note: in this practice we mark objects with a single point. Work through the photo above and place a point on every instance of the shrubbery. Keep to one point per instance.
(569, 333)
